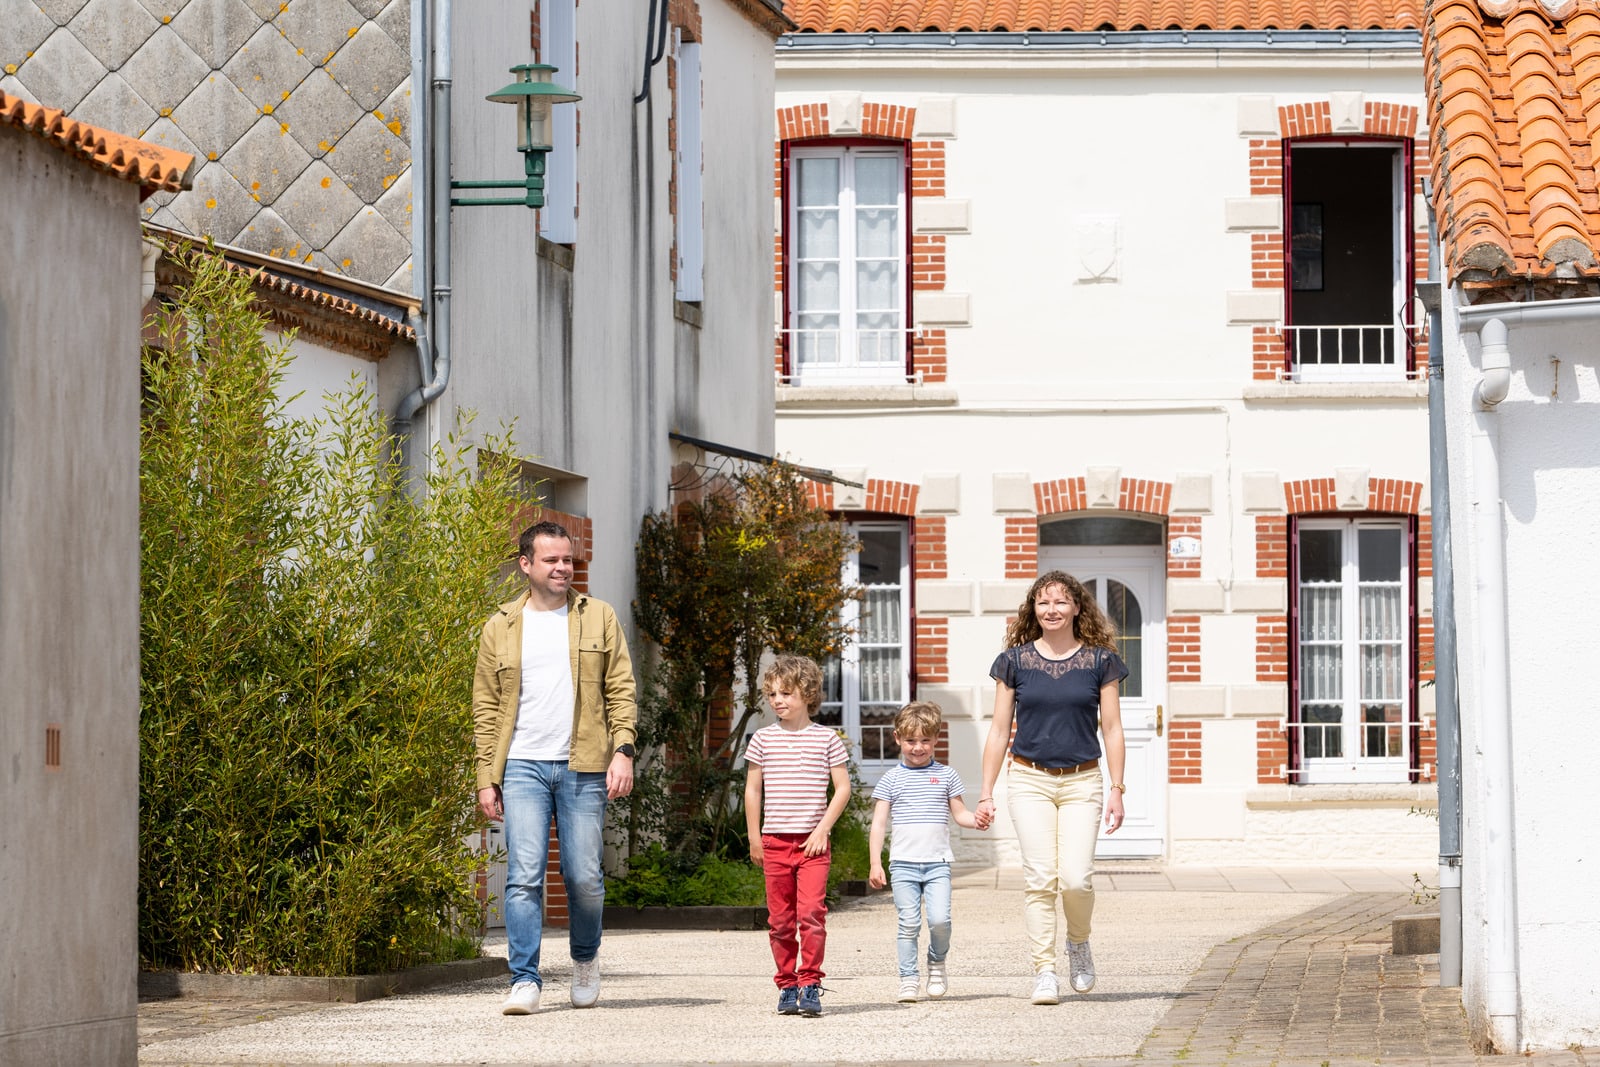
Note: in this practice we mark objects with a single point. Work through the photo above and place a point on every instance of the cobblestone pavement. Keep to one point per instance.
(1320, 988)
(1323, 989)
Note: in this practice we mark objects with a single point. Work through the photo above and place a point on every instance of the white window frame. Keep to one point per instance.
(849, 367)
(558, 40)
(1351, 765)
(1355, 334)
(849, 706)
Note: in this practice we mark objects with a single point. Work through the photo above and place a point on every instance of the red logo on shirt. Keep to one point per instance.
(933, 779)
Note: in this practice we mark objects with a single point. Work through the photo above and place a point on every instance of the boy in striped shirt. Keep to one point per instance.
(920, 795)
(790, 764)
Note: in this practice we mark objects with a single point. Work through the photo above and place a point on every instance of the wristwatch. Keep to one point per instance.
(626, 750)
(1119, 787)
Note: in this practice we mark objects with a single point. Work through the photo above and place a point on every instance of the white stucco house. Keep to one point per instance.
(1127, 290)
(1514, 98)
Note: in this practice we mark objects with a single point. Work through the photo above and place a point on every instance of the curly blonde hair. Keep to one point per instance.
(1091, 625)
(797, 674)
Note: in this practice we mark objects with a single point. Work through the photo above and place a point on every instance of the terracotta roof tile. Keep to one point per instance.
(152, 167)
(891, 16)
(1514, 94)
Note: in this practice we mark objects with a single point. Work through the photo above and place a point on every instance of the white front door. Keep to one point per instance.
(1129, 583)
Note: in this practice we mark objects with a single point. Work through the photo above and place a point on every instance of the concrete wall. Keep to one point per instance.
(1549, 452)
(69, 608)
(1145, 370)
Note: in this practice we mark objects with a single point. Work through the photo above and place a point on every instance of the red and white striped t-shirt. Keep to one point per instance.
(795, 768)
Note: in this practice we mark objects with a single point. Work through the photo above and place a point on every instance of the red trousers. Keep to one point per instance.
(797, 908)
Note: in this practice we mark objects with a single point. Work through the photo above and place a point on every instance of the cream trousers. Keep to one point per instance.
(1057, 818)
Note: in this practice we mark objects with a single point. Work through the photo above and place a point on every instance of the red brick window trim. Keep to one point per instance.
(925, 264)
(1268, 162)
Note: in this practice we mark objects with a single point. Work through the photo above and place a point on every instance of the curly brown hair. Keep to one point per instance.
(1091, 625)
(797, 674)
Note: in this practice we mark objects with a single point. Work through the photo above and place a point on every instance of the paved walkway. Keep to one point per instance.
(1243, 967)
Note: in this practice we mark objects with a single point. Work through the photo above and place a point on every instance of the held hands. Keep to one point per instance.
(875, 879)
(983, 815)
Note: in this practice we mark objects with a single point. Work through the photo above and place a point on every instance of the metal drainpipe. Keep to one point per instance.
(439, 185)
(1447, 713)
(1500, 881)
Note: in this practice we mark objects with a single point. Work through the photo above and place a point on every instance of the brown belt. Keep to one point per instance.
(1076, 768)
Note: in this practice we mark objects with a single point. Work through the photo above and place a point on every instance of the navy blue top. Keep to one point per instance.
(1058, 701)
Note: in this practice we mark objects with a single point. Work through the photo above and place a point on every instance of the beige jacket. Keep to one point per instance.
(603, 712)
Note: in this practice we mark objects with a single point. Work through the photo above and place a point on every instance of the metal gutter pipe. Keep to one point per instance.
(439, 183)
(1447, 712)
(1499, 867)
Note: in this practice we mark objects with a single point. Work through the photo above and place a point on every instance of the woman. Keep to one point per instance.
(1058, 678)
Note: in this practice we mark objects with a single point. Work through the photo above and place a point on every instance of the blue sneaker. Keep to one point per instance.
(811, 1000)
(789, 1001)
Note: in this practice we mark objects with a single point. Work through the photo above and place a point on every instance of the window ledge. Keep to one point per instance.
(1362, 795)
(795, 397)
(1353, 391)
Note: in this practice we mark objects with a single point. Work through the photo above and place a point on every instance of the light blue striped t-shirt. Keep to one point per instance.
(919, 811)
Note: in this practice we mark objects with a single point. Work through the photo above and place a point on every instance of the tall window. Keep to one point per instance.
(864, 687)
(1353, 631)
(1349, 271)
(847, 278)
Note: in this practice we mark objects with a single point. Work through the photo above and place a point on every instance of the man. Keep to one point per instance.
(553, 720)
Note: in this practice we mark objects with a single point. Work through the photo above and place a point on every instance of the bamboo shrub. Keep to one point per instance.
(308, 634)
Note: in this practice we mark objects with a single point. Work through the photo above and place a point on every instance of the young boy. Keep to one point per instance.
(920, 795)
(790, 765)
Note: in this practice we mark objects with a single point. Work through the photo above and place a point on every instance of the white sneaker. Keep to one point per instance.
(937, 983)
(524, 999)
(1082, 963)
(908, 989)
(585, 982)
(1045, 990)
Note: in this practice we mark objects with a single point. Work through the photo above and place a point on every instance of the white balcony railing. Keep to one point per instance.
(1347, 353)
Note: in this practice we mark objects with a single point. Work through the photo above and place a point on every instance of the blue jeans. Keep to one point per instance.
(533, 791)
(916, 884)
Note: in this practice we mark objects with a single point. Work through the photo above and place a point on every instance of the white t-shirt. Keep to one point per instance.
(544, 706)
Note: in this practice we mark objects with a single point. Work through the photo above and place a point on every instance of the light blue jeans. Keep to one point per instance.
(915, 885)
(533, 792)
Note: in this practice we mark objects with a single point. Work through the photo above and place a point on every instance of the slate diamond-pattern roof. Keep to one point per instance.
(264, 91)
(1053, 16)
(1514, 93)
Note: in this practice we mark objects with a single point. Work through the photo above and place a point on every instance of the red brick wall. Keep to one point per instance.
(1022, 546)
(1183, 648)
(1183, 526)
(932, 632)
(1183, 751)
(1272, 752)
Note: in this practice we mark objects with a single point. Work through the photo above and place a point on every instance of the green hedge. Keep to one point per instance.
(308, 633)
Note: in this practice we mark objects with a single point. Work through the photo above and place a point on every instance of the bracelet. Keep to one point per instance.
(983, 799)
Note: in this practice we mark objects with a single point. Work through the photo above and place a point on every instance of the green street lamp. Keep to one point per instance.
(534, 94)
